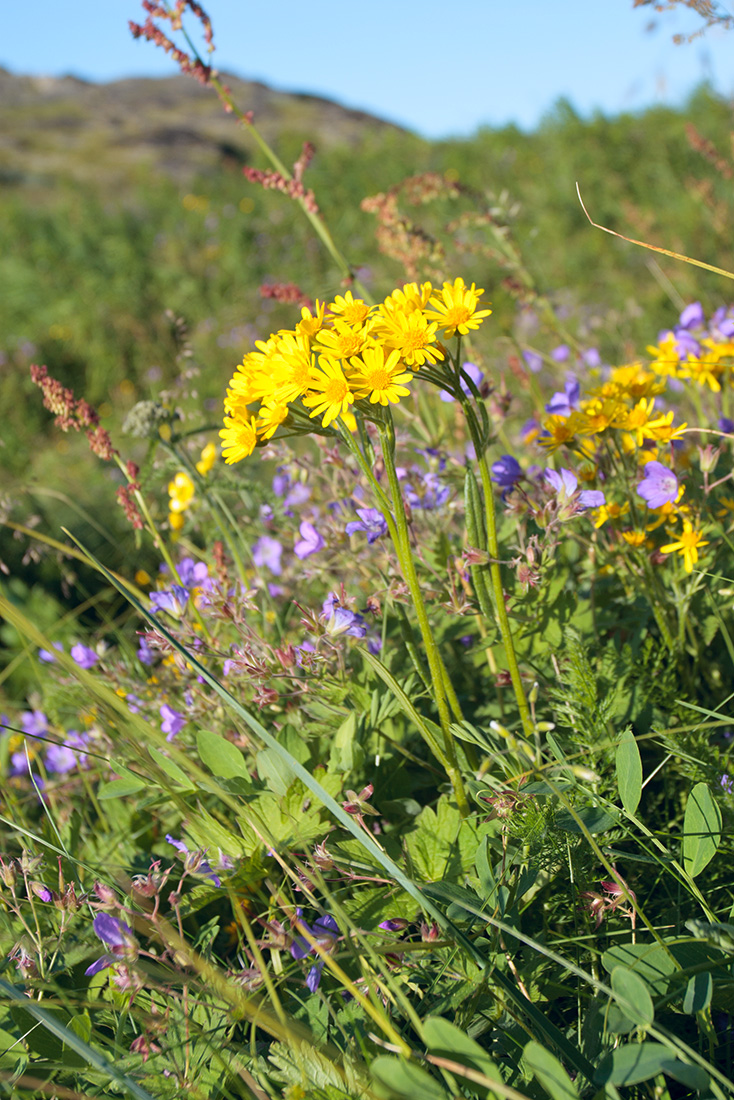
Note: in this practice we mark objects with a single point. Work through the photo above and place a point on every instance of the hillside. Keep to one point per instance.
(108, 132)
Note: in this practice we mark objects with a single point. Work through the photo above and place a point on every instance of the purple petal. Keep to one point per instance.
(591, 498)
(101, 964)
(111, 930)
(314, 975)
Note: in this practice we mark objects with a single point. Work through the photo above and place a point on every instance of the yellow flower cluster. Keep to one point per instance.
(706, 369)
(342, 354)
(625, 403)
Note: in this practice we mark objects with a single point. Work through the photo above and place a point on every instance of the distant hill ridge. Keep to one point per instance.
(68, 127)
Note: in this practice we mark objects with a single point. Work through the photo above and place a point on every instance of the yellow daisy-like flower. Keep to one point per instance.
(310, 323)
(558, 431)
(456, 309)
(634, 538)
(379, 378)
(639, 421)
(687, 545)
(293, 366)
(342, 341)
(333, 394)
(412, 335)
(238, 438)
(407, 299)
(207, 459)
(663, 431)
(665, 357)
(352, 310)
(609, 512)
(272, 415)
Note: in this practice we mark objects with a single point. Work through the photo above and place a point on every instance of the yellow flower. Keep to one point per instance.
(634, 538)
(380, 378)
(272, 415)
(310, 323)
(207, 459)
(662, 431)
(238, 438)
(352, 310)
(727, 507)
(456, 309)
(181, 492)
(558, 431)
(407, 299)
(292, 368)
(342, 341)
(412, 335)
(687, 545)
(609, 512)
(333, 396)
(665, 357)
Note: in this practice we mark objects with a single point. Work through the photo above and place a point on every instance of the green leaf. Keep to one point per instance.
(695, 1077)
(549, 1071)
(120, 788)
(404, 1079)
(171, 770)
(65, 1035)
(633, 996)
(220, 756)
(632, 1063)
(446, 1040)
(698, 993)
(629, 771)
(701, 830)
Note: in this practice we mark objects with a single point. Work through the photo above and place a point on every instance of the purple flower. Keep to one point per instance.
(727, 783)
(310, 541)
(659, 485)
(506, 471)
(195, 862)
(172, 723)
(692, 316)
(117, 935)
(395, 924)
(194, 574)
(281, 481)
(145, 654)
(134, 702)
(563, 481)
(726, 425)
(296, 496)
(84, 656)
(62, 758)
(564, 402)
(47, 656)
(325, 931)
(173, 600)
(41, 891)
(340, 620)
(561, 353)
(591, 357)
(476, 375)
(565, 484)
(431, 494)
(533, 361)
(371, 521)
(34, 723)
(266, 553)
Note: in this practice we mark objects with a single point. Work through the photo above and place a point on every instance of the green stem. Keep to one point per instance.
(442, 687)
(398, 529)
(503, 621)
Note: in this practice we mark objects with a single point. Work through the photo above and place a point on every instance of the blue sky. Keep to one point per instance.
(441, 68)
